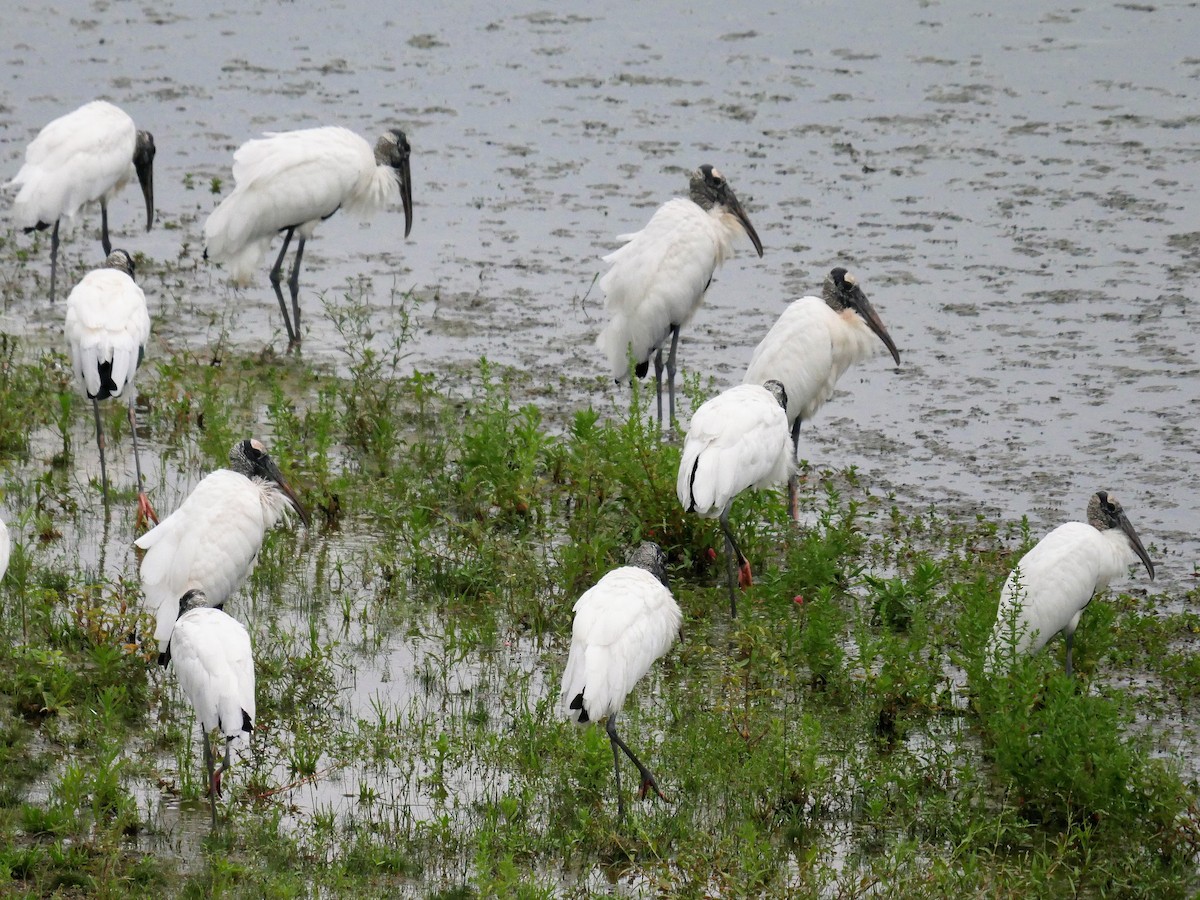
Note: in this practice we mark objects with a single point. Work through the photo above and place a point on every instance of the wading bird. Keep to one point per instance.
(737, 440)
(658, 278)
(291, 181)
(623, 623)
(811, 345)
(107, 329)
(1054, 582)
(84, 156)
(211, 542)
(215, 668)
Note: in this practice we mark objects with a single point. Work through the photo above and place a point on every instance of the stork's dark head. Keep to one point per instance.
(1105, 513)
(193, 599)
(392, 150)
(778, 391)
(709, 189)
(841, 291)
(649, 556)
(143, 164)
(250, 458)
(121, 261)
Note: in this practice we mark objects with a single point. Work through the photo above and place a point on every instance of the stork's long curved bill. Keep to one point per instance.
(278, 478)
(735, 207)
(867, 311)
(145, 176)
(406, 195)
(1127, 527)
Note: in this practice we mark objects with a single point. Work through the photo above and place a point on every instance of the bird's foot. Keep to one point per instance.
(648, 784)
(145, 512)
(214, 787)
(745, 576)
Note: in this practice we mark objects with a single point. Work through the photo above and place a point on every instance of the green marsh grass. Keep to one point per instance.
(840, 738)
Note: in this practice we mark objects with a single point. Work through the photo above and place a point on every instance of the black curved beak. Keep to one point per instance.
(735, 207)
(864, 308)
(278, 478)
(1127, 527)
(143, 164)
(405, 175)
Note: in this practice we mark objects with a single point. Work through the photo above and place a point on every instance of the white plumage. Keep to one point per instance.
(83, 157)
(211, 542)
(290, 182)
(737, 440)
(1054, 582)
(625, 622)
(812, 344)
(658, 279)
(107, 329)
(214, 665)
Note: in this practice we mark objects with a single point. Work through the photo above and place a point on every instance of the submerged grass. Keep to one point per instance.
(840, 738)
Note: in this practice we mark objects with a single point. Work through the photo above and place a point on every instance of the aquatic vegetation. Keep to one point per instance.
(841, 737)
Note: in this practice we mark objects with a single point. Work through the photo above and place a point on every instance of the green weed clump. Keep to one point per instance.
(840, 737)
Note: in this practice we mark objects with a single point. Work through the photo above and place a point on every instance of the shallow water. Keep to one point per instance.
(1014, 184)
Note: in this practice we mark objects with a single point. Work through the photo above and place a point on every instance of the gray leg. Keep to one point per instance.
(1070, 639)
(671, 372)
(100, 446)
(658, 370)
(104, 241)
(276, 271)
(793, 476)
(294, 287)
(144, 508)
(208, 771)
(732, 552)
(648, 781)
(53, 259)
(611, 728)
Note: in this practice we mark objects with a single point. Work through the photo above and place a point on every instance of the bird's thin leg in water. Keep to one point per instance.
(658, 370)
(100, 446)
(617, 772)
(648, 781)
(294, 287)
(53, 259)
(104, 241)
(793, 473)
(671, 375)
(145, 510)
(276, 271)
(208, 770)
(733, 552)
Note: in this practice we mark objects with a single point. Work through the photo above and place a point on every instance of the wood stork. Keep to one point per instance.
(737, 440)
(290, 182)
(84, 156)
(658, 278)
(1054, 582)
(211, 542)
(215, 668)
(811, 345)
(107, 329)
(623, 623)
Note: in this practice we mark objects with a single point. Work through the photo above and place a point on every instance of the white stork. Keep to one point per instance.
(211, 542)
(291, 181)
(85, 156)
(659, 277)
(215, 668)
(737, 440)
(1055, 581)
(107, 329)
(625, 622)
(811, 345)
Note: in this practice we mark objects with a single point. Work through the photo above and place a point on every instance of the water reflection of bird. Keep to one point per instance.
(659, 277)
(737, 440)
(107, 329)
(215, 668)
(290, 182)
(623, 623)
(211, 542)
(1054, 582)
(811, 345)
(84, 156)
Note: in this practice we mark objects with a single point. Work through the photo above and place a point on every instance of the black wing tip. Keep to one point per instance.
(577, 703)
(247, 724)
